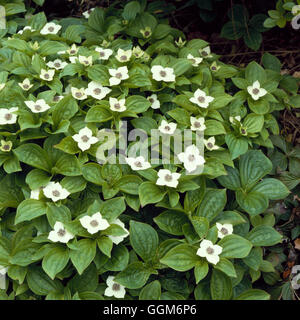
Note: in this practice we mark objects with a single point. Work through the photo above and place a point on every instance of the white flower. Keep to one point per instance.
(96, 90)
(57, 98)
(25, 85)
(195, 60)
(296, 282)
(35, 194)
(55, 191)
(224, 229)
(210, 144)
(114, 289)
(256, 91)
(86, 61)
(155, 104)
(167, 178)
(160, 73)
(2, 85)
(167, 128)
(73, 59)
(123, 55)
(73, 50)
(138, 163)
(104, 54)
(117, 75)
(60, 234)
(137, 52)
(3, 270)
(7, 116)
(47, 74)
(85, 139)
(117, 239)
(201, 99)
(205, 52)
(50, 28)
(26, 28)
(37, 106)
(94, 223)
(197, 124)
(57, 64)
(117, 105)
(209, 251)
(237, 118)
(78, 94)
(191, 158)
(87, 13)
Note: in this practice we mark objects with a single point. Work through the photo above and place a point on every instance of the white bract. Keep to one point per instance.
(224, 229)
(201, 99)
(2, 85)
(236, 118)
(123, 55)
(96, 90)
(104, 54)
(205, 52)
(155, 104)
(3, 270)
(256, 91)
(47, 75)
(117, 75)
(78, 94)
(37, 106)
(35, 194)
(85, 139)
(57, 64)
(60, 234)
(114, 289)
(26, 28)
(210, 144)
(25, 85)
(195, 60)
(87, 13)
(191, 158)
(7, 116)
(94, 223)
(86, 61)
(159, 73)
(50, 28)
(118, 239)
(209, 251)
(167, 178)
(167, 128)
(55, 191)
(138, 163)
(117, 105)
(197, 124)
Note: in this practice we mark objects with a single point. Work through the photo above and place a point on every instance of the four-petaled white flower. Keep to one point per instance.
(25, 85)
(118, 239)
(87, 13)
(117, 105)
(60, 234)
(50, 28)
(86, 61)
(55, 191)
(256, 91)
(57, 64)
(167, 178)
(47, 75)
(224, 229)
(155, 104)
(137, 52)
(96, 90)
(78, 94)
(209, 251)
(210, 144)
(117, 75)
(73, 50)
(191, 158)
(114, 289)
(205, 52)
(94, 223)
(236, 118)
(159, 73)
(167, 128)
(197, 124)
(195, 60)
(7, 116)
(85, 139)
(37, 106)
(138, 163)
(201, 99)
(123, 55)
(26, 28)
(104, 54)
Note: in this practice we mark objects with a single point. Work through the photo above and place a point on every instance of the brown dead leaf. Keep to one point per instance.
(297, 244)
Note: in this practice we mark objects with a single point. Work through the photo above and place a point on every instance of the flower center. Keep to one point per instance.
(151, 100)
(102, 54)
(25, 86)
(224, 231)
(97, 91)
(117, 106)
(85, 138)
(86, 62)
(210, 145)
(210, 250)
(8, 116)
(204, 53)
(167, 128)
(116, 287)
(6, 147)
(37, 107)
(213, 68)
(138, 164)
(56, 98)
(119, 75)
(255, 91)
(191, 157)
(57, 64)
(201, 99)
(168, 177)
(197, 124)
(78, 94)
(163, 73)
(46, 76)
(193, 61)
(61, 232)
(51, 29)
(243, 131)
(147, 33)
(56, 193)
(94, 223)
(72, 51)
(123, 58)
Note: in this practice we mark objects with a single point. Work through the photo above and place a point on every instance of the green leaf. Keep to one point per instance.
(237, 146)
(30, 209)
(67, 165)
(65, 109)
(55, 261)
(83, 255)
(253, 123)
(137, 104)
(105, 244)
(37, 178)
(271, 62)
(129, 184)
(214, 127)
(97, 19)
(272, 188)
(201, 270)
(92, 173)
(144, 240)
(201, 225)
(152, 291)
(149, 192)
(68, 145)
(119, 259)
(98, 114)
(171, 221)
(220, 286)
(57, 213)
(232, 180)
(226, 267)
(253, 294)
(235, 246)
(264, 236)
(255, 72)
(252, 202)
(130, 10)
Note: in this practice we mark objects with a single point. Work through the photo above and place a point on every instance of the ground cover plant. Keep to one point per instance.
(74, 228)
